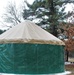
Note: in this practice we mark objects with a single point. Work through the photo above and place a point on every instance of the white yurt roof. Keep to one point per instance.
(28, 32)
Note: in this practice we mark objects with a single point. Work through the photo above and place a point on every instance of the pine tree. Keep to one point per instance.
(47, 12)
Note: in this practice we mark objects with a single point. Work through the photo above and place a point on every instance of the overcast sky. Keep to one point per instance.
(4, 3)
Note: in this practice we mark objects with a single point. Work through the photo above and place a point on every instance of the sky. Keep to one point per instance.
(4, 3)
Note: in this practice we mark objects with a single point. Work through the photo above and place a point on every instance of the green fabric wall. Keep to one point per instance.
(31, 58)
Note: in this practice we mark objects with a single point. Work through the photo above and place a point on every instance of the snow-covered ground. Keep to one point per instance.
(67, 63)
(65, 73)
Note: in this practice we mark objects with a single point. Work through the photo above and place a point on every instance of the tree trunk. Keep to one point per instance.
(67, 53)
(52, 19)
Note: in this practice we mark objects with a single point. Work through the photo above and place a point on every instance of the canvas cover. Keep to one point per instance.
(28, 32)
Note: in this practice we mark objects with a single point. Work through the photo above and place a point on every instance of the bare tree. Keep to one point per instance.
(12, 14)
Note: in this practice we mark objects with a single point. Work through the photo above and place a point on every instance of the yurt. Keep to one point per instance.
(28, 49)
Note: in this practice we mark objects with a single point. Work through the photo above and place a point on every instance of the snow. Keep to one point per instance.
(64, 73)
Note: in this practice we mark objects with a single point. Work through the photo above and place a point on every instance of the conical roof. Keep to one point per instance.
(28, 32)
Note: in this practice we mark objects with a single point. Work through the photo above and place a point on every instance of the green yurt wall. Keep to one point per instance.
(31, 58)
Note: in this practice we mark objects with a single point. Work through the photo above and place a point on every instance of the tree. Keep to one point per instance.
(70, 40)
(12, 15)
(47, 13)
(1, 31)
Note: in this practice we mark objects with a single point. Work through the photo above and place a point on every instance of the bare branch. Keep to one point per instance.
(12, 15)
